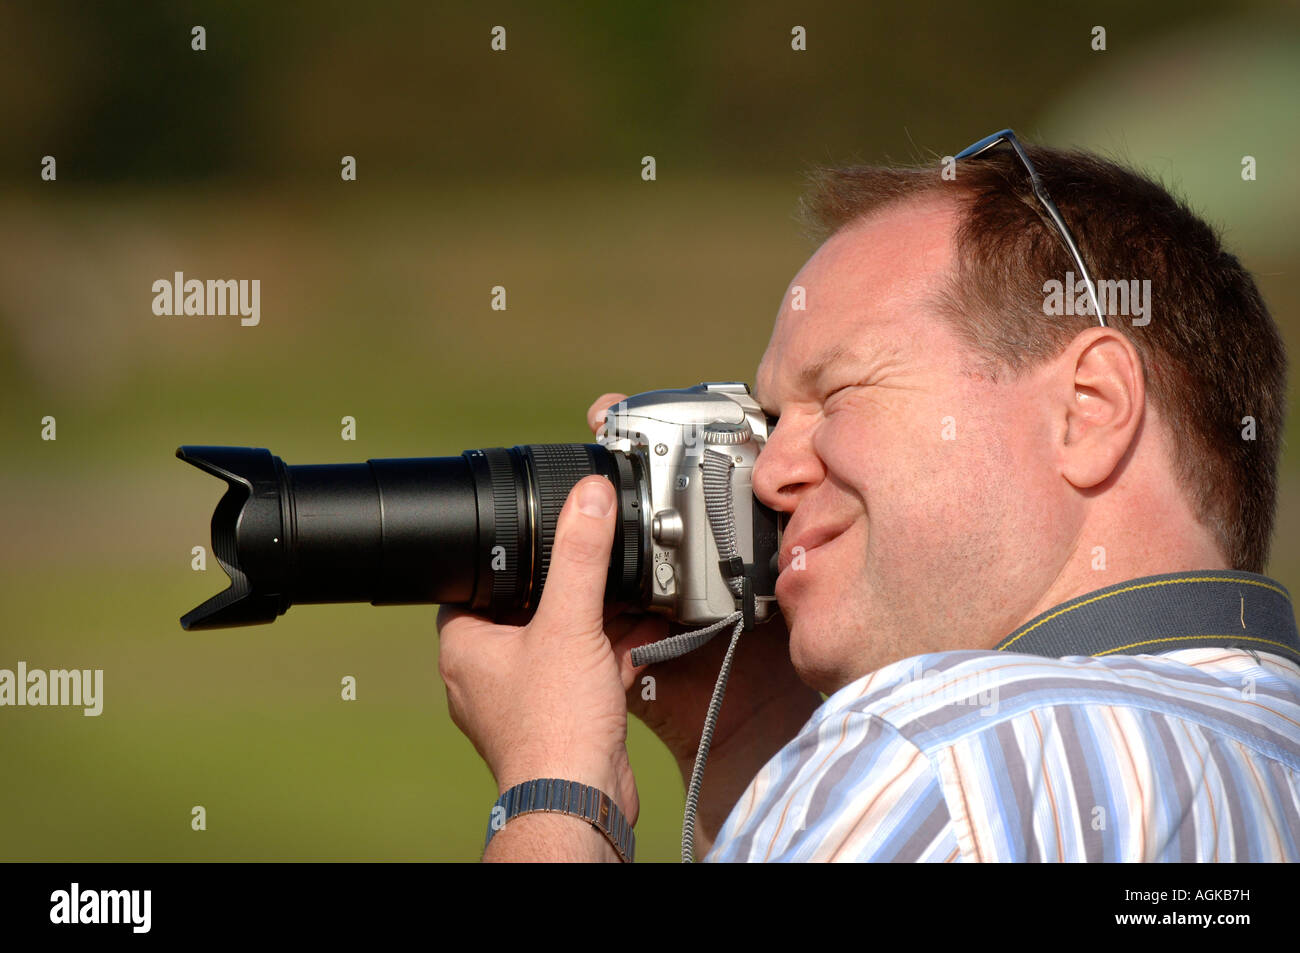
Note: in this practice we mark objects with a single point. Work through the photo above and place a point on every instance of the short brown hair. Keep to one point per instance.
(1211, 353)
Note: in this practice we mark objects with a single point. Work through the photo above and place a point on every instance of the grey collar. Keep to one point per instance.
(1154, 614)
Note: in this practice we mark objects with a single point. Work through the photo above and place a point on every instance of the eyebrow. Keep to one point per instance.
(812, 372)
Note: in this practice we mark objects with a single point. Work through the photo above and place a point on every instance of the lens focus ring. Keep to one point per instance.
(505, 493)
(556, 468)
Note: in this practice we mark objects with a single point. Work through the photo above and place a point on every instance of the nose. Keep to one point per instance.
(788, 467)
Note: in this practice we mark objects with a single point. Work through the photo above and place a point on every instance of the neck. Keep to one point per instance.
(1161, 542)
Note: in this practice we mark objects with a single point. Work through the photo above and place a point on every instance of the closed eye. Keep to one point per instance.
(826, 401)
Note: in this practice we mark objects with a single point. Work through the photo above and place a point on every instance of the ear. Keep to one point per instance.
(1102, 390)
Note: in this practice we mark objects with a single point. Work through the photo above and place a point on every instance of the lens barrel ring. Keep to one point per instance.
(509, 527)
(632, 531)
(556, 468)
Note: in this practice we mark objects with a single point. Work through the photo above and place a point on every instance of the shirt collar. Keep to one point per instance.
(1154, 614)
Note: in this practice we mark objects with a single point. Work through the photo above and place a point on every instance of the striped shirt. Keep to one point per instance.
(1190, 755)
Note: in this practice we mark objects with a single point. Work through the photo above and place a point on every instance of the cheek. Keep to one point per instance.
(852, 451)
(978, 487)
(928, 473)
(891, 458)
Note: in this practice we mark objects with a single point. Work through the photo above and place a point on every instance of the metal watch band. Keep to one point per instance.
(557, 796)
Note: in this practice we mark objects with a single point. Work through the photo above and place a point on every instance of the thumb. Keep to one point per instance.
(573, 597)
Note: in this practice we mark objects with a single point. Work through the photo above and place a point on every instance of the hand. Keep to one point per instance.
(765, 706)
(546, 699)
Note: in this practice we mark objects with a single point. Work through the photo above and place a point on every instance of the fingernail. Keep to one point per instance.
(596, 498)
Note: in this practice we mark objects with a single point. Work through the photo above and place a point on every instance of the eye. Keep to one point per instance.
(837, 392)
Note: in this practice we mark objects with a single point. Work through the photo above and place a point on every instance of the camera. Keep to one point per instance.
(691, 540)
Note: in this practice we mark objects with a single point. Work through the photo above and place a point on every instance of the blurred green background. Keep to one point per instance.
(475, 169)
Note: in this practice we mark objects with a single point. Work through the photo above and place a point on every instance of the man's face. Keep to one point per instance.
(919, 491)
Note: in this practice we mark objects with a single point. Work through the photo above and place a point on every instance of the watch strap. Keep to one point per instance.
(557, 796)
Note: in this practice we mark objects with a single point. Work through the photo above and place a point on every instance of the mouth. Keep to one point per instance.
(801, 546)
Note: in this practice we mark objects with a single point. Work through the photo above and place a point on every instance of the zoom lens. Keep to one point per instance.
(475, 530)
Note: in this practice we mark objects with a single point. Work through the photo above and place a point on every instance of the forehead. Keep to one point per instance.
(865, 291)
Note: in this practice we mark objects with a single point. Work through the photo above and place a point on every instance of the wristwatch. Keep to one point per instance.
(557, 796)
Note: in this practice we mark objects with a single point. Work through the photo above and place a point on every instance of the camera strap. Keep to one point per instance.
(1204, 608)
(739, 577)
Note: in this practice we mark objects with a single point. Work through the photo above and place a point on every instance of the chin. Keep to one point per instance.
(826, 611)
(812, 657)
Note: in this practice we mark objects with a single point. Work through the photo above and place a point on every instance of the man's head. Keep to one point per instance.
(955, 460)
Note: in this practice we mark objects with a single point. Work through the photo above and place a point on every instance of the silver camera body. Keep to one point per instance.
(670, 431)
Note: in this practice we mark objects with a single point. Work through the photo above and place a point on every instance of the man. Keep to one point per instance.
(1021, 559)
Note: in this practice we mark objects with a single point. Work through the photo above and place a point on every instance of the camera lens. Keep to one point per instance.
(475, 529)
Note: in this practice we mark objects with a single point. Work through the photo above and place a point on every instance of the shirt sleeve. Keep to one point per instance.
(848, 788)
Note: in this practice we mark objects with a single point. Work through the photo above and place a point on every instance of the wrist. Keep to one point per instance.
(565, 800)
(593, 772)
(549, 838)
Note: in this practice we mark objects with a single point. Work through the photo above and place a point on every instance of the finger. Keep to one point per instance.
(460, 633)
(596, 412)
(455, 621)
(648, 629)
(573, 598)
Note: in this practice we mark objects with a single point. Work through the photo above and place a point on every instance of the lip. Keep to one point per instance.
(809, 540)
